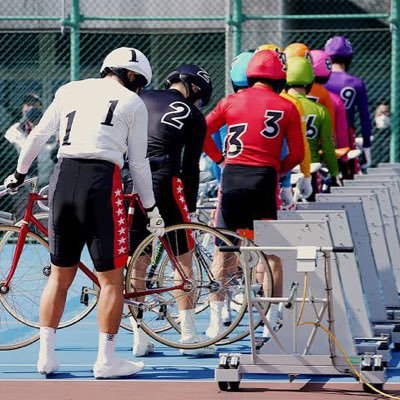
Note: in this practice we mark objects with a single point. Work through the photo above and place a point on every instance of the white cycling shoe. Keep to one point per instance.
(119, 368)
(201, 352)
(142, 349)
(46, 365)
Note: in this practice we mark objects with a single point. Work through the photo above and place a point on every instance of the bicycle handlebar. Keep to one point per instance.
(30, 181)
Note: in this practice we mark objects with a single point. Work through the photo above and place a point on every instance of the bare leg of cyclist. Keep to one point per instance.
(52, 306)
(274, 315)
(110, 305)
(142, 345)
(186, 304)
(224, 268)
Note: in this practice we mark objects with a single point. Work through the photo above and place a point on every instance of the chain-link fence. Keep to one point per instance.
(45, 43)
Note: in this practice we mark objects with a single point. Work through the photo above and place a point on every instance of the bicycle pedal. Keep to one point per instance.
(84, 297)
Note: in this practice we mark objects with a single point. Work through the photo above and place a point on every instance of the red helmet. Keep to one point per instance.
(267, 64)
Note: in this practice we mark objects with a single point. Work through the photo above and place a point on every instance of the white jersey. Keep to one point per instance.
(96, 119)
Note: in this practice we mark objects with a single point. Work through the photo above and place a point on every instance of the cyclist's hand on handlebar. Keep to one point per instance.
(14, 180)
(156, 223)
(305, 187)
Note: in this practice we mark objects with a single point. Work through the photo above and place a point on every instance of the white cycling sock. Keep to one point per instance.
(274, 315)
(140, 337)
(216, 311)
(47, 342)
(106, 351)
(188, 327)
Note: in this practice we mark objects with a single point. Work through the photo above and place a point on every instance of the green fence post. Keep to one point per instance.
(75, 40)
(395, 84)
(237, 20)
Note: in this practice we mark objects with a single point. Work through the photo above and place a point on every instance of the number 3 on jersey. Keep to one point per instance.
(272, 127)
(70, 119)
(234, 144)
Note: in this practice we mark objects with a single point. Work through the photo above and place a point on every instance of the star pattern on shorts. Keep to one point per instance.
(120, 219)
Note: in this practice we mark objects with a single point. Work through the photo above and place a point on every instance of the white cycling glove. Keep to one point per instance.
(368, 159)
(14, 180)
(304, 186)
(287, 197)
(156, 224)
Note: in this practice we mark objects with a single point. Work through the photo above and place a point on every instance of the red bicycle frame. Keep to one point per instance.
(29, 218)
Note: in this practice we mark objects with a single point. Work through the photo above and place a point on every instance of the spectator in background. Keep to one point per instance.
(382, 116)
(17, 133)
(381, 131)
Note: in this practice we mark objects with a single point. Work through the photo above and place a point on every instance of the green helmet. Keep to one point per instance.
(299, 72)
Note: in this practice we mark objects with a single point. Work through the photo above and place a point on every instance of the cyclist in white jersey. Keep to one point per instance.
(97, 120)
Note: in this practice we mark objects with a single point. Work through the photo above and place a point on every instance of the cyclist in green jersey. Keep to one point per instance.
(300, 77)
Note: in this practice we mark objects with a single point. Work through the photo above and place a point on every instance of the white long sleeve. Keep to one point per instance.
(49, 125)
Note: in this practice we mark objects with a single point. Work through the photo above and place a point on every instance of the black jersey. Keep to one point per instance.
(176, 133)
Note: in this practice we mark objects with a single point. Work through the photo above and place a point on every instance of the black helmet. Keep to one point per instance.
(196, 80)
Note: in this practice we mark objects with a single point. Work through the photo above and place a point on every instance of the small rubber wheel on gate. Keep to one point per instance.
(223, 386)
(234, 386)
(368, 389)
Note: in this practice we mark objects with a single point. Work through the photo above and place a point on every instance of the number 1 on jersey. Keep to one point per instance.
(70, 119)
(110, 113)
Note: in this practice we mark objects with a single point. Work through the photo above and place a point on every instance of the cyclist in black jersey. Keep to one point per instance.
(177, 129)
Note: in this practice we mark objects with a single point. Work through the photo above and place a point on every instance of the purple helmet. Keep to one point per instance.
(339, 46)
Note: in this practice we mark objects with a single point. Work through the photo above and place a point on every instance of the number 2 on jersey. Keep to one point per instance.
(175, 118)
(70, 119)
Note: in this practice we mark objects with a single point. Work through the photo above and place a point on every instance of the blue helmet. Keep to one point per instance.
(238, 70)
(196, 80)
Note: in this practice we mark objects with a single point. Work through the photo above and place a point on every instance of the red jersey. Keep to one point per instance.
(258, 120)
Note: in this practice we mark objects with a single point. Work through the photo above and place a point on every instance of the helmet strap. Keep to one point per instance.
(135, 85)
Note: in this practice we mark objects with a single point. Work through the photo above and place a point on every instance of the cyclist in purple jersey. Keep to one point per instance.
(350, 88)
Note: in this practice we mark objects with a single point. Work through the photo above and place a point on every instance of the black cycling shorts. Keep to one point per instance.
(248, 193)
(170, 200)
(86, 207)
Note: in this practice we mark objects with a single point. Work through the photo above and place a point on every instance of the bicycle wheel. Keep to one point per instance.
(157, 310)
(22, 298)
(163, 262)
(13, 333)
(259, 261)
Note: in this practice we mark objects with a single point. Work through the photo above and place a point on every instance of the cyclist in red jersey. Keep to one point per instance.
(258, 120)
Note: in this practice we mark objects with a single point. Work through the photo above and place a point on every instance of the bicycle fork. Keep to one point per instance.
(5, 286)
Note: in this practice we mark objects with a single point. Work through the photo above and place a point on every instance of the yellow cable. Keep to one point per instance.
(338, 345)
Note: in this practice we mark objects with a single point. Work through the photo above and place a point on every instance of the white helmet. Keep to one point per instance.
(130, 59)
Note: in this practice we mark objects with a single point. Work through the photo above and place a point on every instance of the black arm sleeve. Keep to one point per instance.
(194, 139)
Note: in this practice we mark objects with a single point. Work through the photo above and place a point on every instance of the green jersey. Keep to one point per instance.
(319, 133)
